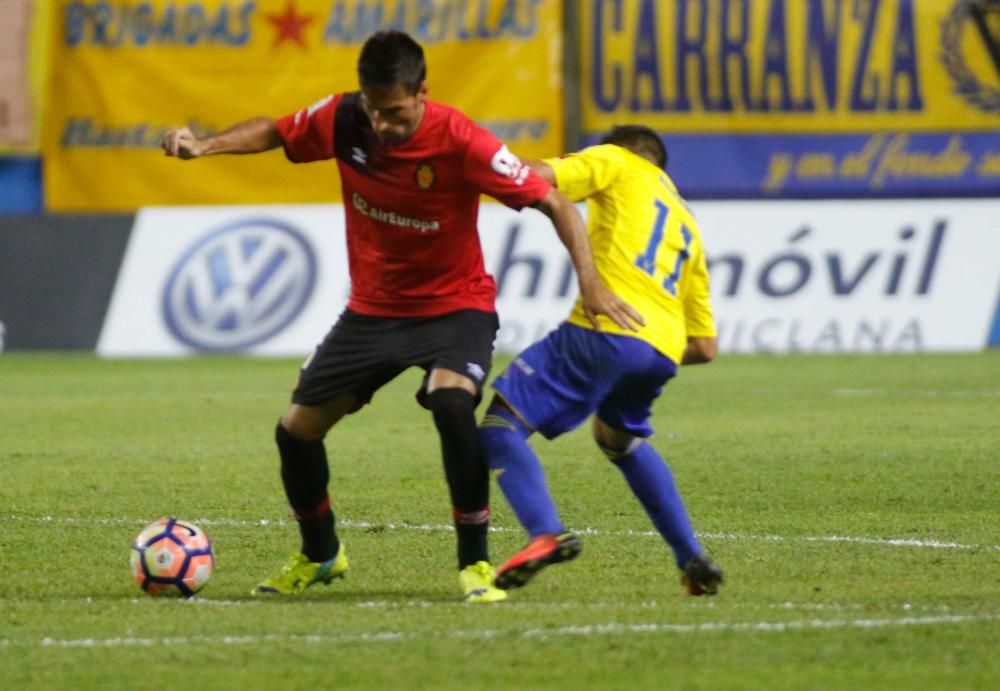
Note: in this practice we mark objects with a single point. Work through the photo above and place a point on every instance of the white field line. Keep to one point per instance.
(961, 394)
(837, 607)
(367, 525)
(702, 605)
(606, 629)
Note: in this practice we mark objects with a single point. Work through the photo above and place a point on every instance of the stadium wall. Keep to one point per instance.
(20, 184)
(872, 276)
(56, 278)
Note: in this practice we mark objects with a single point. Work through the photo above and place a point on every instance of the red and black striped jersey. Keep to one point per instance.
(411, 209)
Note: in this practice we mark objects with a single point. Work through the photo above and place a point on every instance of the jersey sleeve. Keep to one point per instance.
(307, 134)
(698, 318)
(584, 173)
(494, 170)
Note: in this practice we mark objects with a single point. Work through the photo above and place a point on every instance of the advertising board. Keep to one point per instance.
(827, 277)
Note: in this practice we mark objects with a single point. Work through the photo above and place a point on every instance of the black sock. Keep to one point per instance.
(305, 474)
(468, 477)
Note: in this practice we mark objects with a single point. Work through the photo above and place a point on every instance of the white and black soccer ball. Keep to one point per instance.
(172, 557)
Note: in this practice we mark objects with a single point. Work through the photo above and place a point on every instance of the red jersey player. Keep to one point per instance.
(412, 171)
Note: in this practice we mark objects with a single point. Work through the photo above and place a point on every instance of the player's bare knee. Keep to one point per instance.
(298, 429)
(612, 442)
(306, 423)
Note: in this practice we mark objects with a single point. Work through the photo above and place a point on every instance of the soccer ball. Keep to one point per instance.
(172, 557)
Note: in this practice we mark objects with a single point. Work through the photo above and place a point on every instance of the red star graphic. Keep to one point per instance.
(290, 24)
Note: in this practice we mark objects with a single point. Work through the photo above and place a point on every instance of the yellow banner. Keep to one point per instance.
(129, 70)
(766, 66)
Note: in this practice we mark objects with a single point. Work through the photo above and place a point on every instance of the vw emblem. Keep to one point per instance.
(239, 285)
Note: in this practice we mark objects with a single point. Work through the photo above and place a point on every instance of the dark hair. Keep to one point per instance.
(391, 57)
(638, 139)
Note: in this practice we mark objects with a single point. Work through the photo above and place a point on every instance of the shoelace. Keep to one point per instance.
(294, 562)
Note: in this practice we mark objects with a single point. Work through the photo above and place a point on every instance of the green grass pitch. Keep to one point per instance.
(854, 502)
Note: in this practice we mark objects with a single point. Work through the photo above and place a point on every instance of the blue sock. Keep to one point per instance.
(653, 485)
(503, 439)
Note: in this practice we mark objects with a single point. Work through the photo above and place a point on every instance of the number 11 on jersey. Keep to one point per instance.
(647, 260)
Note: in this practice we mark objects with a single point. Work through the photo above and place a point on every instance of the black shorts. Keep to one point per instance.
(361, 353)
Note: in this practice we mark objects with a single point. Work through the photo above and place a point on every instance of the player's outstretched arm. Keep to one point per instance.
(248, 137)
(542, 170)
(596, 298)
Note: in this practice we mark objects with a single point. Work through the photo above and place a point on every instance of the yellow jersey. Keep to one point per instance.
(646, 245)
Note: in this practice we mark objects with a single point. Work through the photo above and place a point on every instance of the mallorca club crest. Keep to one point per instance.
(425, 176)
(970, 51)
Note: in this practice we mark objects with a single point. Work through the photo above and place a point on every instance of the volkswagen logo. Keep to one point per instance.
(239, 285)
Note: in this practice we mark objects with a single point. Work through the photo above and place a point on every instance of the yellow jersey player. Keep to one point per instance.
(648, 250)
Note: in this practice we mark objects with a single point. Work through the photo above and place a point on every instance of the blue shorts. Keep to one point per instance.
(555, 384)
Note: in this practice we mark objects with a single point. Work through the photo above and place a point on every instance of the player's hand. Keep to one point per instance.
(181, 143)
(597, 299)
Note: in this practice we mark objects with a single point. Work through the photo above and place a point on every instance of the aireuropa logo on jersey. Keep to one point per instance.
(239, 285)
